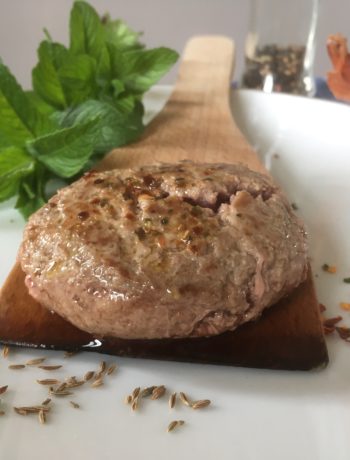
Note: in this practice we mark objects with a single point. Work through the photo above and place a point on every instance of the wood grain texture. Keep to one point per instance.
(195, 124)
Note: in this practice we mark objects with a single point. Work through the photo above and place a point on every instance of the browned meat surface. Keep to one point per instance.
(164, 251)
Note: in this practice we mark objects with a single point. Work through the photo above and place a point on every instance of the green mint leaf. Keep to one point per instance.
(120, 34)
(86, 31)
(43, 107)
(17, 110)
(45, 76)
(15, 164)
(77, 77)
(31, 191)
(65, 152)
(140, 69)
(115, 126)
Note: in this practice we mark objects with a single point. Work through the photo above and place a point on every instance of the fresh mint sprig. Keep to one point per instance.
(86, 99)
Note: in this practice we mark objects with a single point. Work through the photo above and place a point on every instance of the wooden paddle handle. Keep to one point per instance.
(205, 71)
(196, 122)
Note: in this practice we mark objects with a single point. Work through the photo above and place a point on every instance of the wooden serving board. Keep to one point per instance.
(196, 124)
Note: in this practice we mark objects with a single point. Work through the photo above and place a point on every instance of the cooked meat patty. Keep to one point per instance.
(170, 250)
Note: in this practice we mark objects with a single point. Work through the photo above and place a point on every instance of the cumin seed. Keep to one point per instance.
(3, 389)
(5, 351)
(172, 400)
(158, 392)
(128, 399)
(135, 393)
(46, 402)
(60, 393)
(200, 404)
(111, 369)
(69, 354)
(185, 399)
(88, 376)
(42, 417)
(102, 367)
(50, 368)
(147, 391)
(135, 403)
(17, 366)
(61, 387)
(48, 382)
(20, 411)
(74, 404)
(97, 383)
(77, 383)
(175, 423)
(35, 361)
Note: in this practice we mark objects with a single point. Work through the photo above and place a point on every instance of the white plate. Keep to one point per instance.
(255, 414)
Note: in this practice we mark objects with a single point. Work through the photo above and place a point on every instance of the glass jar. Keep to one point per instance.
(280, 46)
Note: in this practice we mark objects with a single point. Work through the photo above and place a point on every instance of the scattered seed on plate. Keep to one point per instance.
(135, 392)
(135, 403)
(175, 423)
(42, 417)
(3, 389)
(185, 399)
(128, 399)
(97, 383)
(17, 366)
(77, 383)
(200, 404)
(35, 361)
(61, 387)
(147, 391)
(5, 351)
(88, 376)
(2, 413)
(158, 392)
(46, 402)
(54, 392)
(24, 410)
(172, 400)
(48, 382)
(102, 367)
(20, 411)
(74, 404)
(50, 368)
(69, 354)
(111, 369)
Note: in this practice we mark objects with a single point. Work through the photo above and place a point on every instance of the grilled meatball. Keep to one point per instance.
(169, 250)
